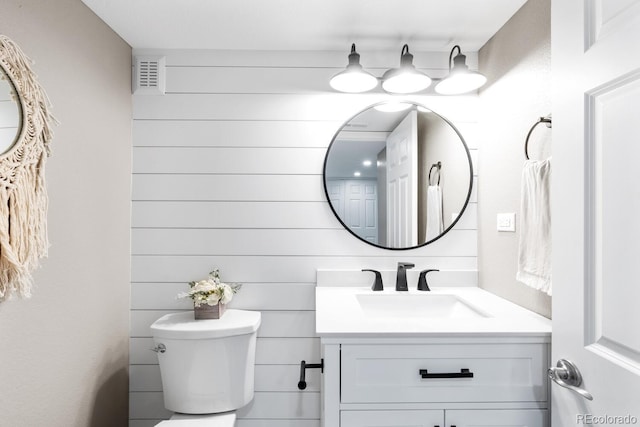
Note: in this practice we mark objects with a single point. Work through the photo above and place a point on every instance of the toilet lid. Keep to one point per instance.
(184, 326)
(208, 420)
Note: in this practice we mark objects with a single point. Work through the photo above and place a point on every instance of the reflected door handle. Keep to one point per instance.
(567, 375)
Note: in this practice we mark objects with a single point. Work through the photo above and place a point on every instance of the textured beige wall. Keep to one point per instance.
(64, 352)
(517, 62)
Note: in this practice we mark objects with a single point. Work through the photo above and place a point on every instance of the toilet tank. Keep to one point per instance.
(207, 365)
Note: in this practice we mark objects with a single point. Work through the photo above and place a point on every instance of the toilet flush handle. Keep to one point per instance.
(160, 348)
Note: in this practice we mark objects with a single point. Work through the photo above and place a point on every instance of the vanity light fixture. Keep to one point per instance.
(406, 79)
(353, 79)
(366, 163)
(460, 79)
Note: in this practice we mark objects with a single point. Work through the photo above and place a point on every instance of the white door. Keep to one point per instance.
(335, 189)
(596, 208)
(361, 208)
(402, 183)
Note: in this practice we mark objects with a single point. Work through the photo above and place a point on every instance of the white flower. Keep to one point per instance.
(203, 286)
(227, 293)
(210, 291)
(213, 299)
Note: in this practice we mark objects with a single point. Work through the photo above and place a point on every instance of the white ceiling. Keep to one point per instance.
(426, 25)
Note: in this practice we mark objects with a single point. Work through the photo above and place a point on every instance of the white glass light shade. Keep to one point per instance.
(460, 82)
(405, 81)
(460, 78)
(353, 80)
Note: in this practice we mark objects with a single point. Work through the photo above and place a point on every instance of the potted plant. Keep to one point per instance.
(210, 296)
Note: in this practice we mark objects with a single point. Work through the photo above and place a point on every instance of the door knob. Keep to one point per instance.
(567, 375)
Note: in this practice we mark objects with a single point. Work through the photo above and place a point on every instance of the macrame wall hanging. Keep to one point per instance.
(23, 194)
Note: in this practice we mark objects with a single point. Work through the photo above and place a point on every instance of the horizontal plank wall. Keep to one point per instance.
(227, 173)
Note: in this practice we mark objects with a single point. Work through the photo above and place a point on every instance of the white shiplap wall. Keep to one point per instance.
(227, 173)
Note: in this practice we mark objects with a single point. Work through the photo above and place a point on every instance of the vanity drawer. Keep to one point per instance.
(452, 373)
(404, 418)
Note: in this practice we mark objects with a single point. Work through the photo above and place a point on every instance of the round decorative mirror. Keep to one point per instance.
(26, 129)
(10, 113)
(398, 175)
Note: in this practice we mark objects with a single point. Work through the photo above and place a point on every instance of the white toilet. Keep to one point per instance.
(207, 366)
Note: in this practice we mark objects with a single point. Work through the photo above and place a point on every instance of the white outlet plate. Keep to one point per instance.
(506, 222)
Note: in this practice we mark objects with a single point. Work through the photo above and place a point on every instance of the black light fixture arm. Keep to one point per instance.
(451, 55)
(354, 57)
(406, 58)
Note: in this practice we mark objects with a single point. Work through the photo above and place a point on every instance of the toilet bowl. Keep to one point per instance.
(207, 366)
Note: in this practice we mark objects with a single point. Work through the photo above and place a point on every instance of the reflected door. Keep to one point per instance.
(402, 183)
(361, 207)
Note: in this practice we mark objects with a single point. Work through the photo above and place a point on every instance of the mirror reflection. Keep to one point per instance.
(10, 114)
(398, 175)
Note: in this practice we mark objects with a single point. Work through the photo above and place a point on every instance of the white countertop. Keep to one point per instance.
(338, 314)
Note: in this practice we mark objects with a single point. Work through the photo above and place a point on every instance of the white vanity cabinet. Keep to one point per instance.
(444, 382)
(416, 359)
(442, 418)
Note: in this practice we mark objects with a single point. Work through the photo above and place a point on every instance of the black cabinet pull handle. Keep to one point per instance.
(464, 373)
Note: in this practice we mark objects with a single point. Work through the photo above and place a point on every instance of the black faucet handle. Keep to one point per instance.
(422, 280)
(406, 265)
(377, 282)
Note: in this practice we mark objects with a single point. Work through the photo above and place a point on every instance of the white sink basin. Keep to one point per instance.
(424, 305)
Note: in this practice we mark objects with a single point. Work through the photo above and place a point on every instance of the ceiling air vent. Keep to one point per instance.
(149, 75)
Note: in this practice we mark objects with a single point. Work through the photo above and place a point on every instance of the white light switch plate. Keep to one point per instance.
(506, 222)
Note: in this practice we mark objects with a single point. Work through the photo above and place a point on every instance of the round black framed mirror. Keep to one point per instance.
(398, 175)
(10, 113)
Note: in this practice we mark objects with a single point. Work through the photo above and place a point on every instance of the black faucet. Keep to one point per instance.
(401, 276)
(377, 282)
(422, 280)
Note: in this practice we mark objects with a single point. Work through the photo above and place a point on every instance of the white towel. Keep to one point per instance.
(435, 226)
(534, 248)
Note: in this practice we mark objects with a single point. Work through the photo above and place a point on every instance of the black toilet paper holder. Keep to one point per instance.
(302, 384)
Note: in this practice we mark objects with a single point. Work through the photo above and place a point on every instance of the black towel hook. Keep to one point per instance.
(547, 121)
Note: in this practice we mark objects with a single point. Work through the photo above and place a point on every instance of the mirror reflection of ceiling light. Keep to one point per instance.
(460, 79)
(356, 174)
(353, 79)
(407, 79)
(392, 107)
(366, 163)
